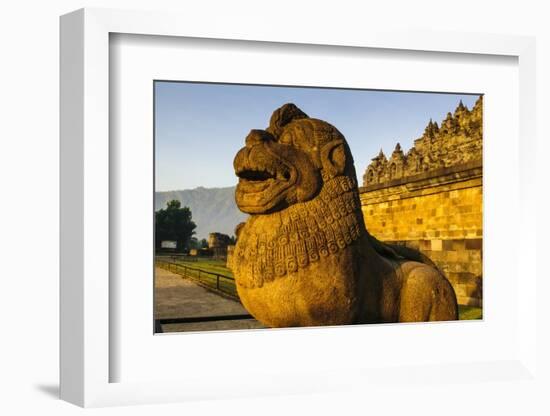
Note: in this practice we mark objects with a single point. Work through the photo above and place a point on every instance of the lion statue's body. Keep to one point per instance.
(304, 257)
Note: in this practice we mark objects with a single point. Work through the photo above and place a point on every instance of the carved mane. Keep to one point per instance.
(305, 233)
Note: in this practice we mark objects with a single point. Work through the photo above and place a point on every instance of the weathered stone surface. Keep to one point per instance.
(437, 210)
(229, 259)
(218, 244)
(304, 257)
(456, 142)
(218, 240)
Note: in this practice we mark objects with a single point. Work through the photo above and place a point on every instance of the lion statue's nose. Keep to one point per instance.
(258, 136)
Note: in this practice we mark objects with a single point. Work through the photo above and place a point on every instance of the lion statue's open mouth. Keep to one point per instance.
(304, 256)
(281, 167)
(266, 178)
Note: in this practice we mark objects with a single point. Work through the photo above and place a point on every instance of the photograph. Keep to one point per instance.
(298, 206)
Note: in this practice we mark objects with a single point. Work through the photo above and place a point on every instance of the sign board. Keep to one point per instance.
(169, 244)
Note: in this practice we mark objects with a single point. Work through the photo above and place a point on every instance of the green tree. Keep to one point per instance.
(174, 223)
(204, 243)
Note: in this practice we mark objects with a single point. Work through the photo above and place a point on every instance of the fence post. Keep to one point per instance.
(218, 281)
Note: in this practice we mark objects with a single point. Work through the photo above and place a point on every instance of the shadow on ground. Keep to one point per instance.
(51, 390)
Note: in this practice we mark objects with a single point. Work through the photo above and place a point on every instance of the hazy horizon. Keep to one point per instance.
(199, 127)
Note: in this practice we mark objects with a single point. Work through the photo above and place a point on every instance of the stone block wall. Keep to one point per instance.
(230, 253)
(439, 213)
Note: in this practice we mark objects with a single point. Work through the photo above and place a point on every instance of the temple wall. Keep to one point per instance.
(438, 212)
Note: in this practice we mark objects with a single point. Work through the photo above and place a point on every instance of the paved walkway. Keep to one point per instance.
(176, 297)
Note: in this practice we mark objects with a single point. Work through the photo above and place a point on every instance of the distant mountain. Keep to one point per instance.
(213, 209)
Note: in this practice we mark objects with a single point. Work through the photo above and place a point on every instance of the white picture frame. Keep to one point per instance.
(86, 292)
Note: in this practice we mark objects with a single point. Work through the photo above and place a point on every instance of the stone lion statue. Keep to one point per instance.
(304, 256)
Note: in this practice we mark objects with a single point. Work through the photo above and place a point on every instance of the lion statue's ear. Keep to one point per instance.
(333, 158)
(238, 229)
(282, 116)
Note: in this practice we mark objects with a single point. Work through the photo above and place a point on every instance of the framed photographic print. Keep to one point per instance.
(241, 227)
(308, 205)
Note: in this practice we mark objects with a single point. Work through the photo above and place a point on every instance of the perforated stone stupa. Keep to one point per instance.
(457, 141)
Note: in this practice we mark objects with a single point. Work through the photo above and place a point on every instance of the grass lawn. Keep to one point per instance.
(469, 312)
(208, 265)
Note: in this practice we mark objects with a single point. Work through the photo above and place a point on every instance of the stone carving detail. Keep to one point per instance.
(218, 240)
(306, 233)
(457, 141)
(304, 257)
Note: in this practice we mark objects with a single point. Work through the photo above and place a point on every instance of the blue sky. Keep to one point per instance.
(200, 127)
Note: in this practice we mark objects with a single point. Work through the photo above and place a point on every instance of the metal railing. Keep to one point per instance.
(223, 283)
(175, 257)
